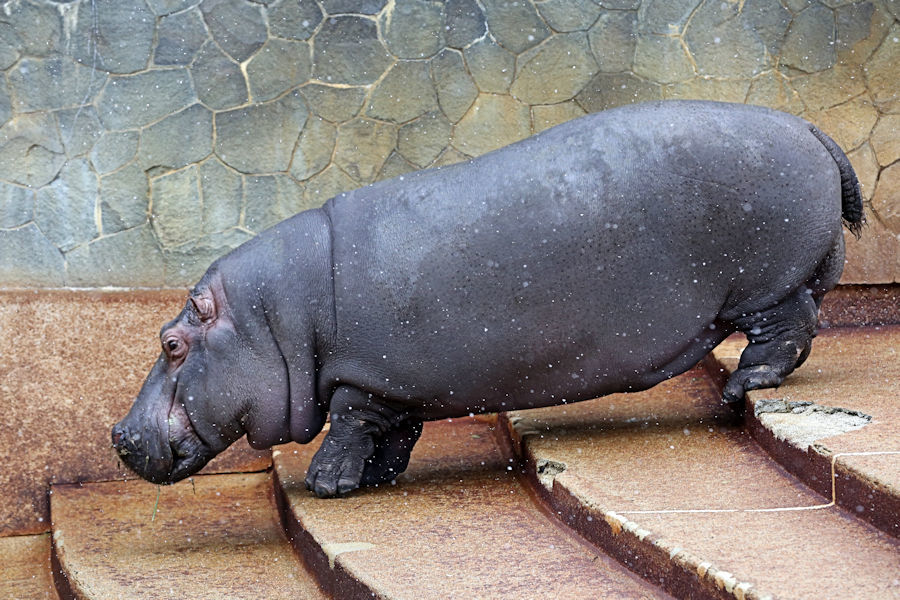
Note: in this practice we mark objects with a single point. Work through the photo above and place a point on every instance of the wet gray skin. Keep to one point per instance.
(603, 255)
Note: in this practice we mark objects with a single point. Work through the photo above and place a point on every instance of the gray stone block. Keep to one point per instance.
(454, 86)
(261, 138)
(129, 102)
(178, 140)
(38, 27)
(661, 59)
(5, 103)
(29, 259)
(113, 150)
(724, 42)
(347, 50)
(515, 25)
(130, 258)
(177, 215)
(362, 7)
(569, 15)
(327, 184)
(395, 166)
(612, 40)
(31, 151)
(113, 35)
(362, 147)
(222, 191)
(463, 22)
(335, 104)
(491, 66)
(665, 17)
(314, 148)
(423, 140)
(769, 20)
(271, 199)
(52, 83)
(124, 199)
(179, 38)
(9, 46)
(279, 66)
(237, 25)
(64, 209)
(608, 90)
(16, 205)
(166, 7)
(186, 264)
(406, 92)
(554, 71)
(809, 43)
(219, 80)
(79, 129)
(493, 122)
(294, 19)
(413, 28)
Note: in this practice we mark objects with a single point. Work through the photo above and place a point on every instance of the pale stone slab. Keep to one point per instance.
(661, 59)
(179, 38)
(848, 123)
(16, 205)
(347, 50)
(52, 83)
(335, 104)
(456, 91)
(126, 259)
(113, 150)
(112, 35)
(515, 25)
(362, 147)
(314, 149)
(31, 151)
(881, 73)
(491, 66)
(613, 39)
(885, 138)
(866, 166)
(177, 214)
(608, 90)
(65, 208)
(280, 65)
(545, 117)
(134, 101)
(492, 122)
(423, 140)
(296, 20)
(809, 43)
(464, 22)
(555, 71)
(327, 184)
(405, 93)
(413, 28)
(124, 198)
(886, 200)
(29, 258)
(238, 26)
(269, 200)
(219, 80)
(222, 192)
(569, 15)
(178, 140)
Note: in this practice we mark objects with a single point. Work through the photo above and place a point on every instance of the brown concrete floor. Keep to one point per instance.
(218, 538)
(458, 524)
(71, 364)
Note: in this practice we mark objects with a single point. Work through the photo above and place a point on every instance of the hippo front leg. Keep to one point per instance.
(359, 422)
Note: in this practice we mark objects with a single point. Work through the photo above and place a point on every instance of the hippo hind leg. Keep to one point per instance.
(780, 339)
(366, 435)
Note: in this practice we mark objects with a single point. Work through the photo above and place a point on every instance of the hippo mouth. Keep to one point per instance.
(189, 452)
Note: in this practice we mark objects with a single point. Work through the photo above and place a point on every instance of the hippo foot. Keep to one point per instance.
(749, 378)
(392, 451)
(337, 468)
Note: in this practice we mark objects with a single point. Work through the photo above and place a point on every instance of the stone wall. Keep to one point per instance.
(140, 139)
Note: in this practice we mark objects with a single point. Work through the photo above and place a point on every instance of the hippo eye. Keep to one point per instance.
(173, 347)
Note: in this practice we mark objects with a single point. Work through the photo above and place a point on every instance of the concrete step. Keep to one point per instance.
(217, 536)
(25, 570)
(672, 486)
(837, 414)
(458, 524)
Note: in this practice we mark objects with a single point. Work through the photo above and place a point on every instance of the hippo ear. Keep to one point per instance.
(205, 305)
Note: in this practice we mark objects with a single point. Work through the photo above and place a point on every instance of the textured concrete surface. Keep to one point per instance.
(854, 370)
(457, 524)
(660, 481)
(128, 99)
(216, 538)
(71, 364)
(25, 567)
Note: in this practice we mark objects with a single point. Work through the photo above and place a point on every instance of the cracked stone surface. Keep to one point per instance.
(115, 82)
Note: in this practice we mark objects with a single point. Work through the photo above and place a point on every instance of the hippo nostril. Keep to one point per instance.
(119, 436)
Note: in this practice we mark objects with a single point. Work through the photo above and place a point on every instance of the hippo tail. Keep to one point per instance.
(851, 199)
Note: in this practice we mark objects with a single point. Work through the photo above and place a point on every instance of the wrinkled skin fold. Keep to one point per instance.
(603, 255)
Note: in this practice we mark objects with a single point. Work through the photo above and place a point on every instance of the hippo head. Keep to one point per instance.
(201, 395)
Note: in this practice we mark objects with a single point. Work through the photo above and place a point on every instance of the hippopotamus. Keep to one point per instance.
(603, 255)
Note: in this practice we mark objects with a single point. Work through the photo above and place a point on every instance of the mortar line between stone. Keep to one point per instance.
(834, 457)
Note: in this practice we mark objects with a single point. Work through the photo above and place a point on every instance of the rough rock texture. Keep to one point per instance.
(127, 92)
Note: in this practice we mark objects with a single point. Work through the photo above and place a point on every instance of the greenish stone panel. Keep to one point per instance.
(769, 20)
(423, 140)
(177, 215)
(294, 19)
(455, 89)
(609, 90)
(463, 22)
(493, 122)
(314, 149)
(347, 50)
(113, 35)
(128, 102)
(64, 209)
(362, 7)
(413, 28)
(335, 104)
(124, 199)
(362, 147)
(515, 25)
(551, 115)
(79, 129)
(661, 59)
(219, 80)
(882, 73)
(278, 67)
(555, 71)
(186, 264)
(52, 83)
(569, 15)
(5, 103)
(261, 138)
(130, 258)
(406, 92)
(31, 151)
(271, 199)
(612, 40)
(809, 43)
(327, 184)
(9, 46)
(113, 150)
(179, 38)
(16, 205)
(178, 140)
(395, 166)
(30, 259)
(665, 17)
(724, 43)
(238, 26)
(38, 27)
(166, 7)
(222, 192)
(491, 66)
